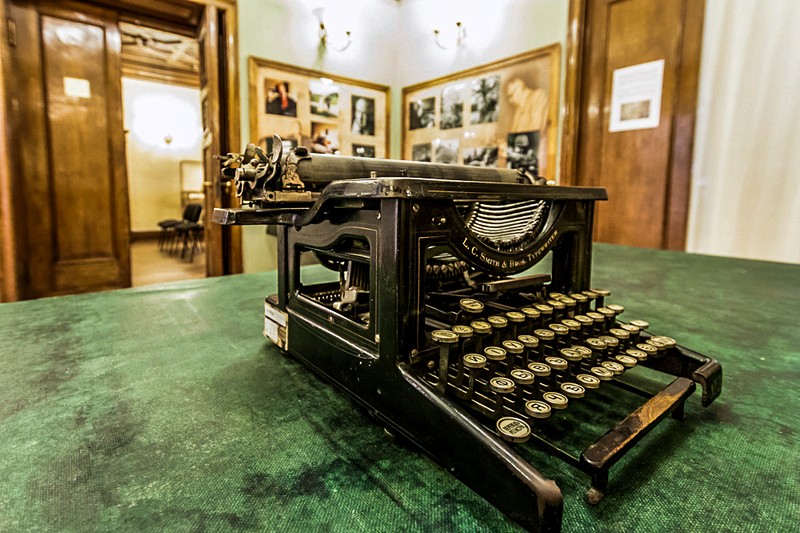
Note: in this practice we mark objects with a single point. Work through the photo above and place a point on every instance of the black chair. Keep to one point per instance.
(168, 236)
(190, 234)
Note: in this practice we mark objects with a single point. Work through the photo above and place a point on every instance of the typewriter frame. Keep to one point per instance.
(399, 218)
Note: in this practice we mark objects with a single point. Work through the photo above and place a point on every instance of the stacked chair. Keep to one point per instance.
(185, 234)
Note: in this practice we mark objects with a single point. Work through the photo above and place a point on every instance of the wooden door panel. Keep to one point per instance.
(70, 126)
(639, 168)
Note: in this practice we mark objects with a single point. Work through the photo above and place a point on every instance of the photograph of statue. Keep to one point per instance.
(485, 102)
(446, 151)
(421, 152)
(452, 112)
(480, 157)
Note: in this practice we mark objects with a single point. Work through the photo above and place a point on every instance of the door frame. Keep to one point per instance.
(682, 139)
(12, 242)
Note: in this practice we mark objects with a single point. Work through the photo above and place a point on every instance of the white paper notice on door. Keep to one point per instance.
(77, 87)
(636, 97)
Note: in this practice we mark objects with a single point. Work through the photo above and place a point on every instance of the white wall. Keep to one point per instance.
(286, 31)
(392, 44)
(746, 168)
(151, 112)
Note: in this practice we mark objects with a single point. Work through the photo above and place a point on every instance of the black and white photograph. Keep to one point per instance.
(446, 151)
(324, 98)
(324, 138)
(281, 98)
(522, 149)
(266, 143)
(421, 152)
(485, 102)
(452, 112)
(485, 156)
(363, 113)
(421, 113)
(363, 150)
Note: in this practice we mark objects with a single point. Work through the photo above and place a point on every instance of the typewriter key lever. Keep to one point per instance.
(439, 330)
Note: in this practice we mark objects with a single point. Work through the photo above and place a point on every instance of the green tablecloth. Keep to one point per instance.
(165, 409)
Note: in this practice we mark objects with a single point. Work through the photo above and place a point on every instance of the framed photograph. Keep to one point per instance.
(328, 114)
(503, 114)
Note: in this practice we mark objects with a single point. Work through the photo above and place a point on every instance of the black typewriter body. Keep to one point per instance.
(433, 321)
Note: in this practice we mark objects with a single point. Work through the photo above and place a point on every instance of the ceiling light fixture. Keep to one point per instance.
(461, 34)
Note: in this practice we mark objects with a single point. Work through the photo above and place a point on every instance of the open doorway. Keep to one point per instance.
(163, 134)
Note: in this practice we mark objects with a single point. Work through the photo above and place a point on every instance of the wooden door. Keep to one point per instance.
(223, 243)
(646, 171)
(69, 164)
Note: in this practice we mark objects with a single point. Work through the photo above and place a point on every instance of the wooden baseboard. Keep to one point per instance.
(144, 235)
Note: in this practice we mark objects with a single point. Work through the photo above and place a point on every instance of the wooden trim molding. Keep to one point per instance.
(572, 91)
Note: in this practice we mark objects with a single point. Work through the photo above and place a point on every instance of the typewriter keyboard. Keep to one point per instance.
(516, 365)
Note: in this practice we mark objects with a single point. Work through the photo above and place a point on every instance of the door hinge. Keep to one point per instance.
(11, 31)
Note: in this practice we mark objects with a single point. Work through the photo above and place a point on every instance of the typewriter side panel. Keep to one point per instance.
(370, 362)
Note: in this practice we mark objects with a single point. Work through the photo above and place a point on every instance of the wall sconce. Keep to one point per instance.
(324, 38)
(461, 34)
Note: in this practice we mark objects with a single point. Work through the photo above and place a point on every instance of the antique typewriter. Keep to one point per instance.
(459, 312)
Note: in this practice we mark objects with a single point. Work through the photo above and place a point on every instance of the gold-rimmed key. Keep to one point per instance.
(530, 343)
(538, 409)
(516, 319)
(482, 330)
(445, 339)
(513, 348)
(501, 386)
(464, 333)
(588, 381)
(499, 324)
(556, 400)
(513, 429)
(572, 390)
(471, 309)
(473, 362)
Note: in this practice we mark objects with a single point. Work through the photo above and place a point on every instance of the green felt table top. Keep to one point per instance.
(164, 408)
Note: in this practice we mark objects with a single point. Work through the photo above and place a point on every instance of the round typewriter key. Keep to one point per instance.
(606, 312)
(481, 327)
(611, 342)
(556, 363)
(529, 341)
(513, 429)
(584, 351)
(630, 328)
(656, 343)
(444, 336)
(544, 310)
(649, 349)
(618, 309)
(494, 353)
(572, 390)
(556, 304)
(522, 376)
(637, 354)
(570, 354)
(471, 306)
(578, 297)
(595, 343)
(669, 342)
(462, 331)
(619, 333)
(588, 381)
(602, 292)
(538, 409)
(544, 334)
(530, 312)
(570, 304)
(513, 347)
(497, 321)
(515, 316)
(584, 320)
(626, 360)
(556, 400)
(555, 295)
(501, 385)
(474, 360)
(596, 317)
(602, 373)
(573, 325)
(641, 324)
(613, 367)
(559, 329)
(539, 369)
(590, 294)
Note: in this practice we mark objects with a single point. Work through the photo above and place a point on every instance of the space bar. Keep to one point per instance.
(610, 447)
